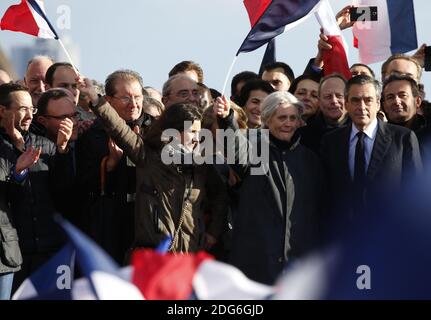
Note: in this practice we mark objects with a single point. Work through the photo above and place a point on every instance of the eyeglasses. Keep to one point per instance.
(24, 110)
(64, 117)
(126, 100)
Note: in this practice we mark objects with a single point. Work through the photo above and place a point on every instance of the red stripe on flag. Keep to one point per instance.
(165, 276)
(355, 42)
(335, 60)
(255, 9)
(19, 18)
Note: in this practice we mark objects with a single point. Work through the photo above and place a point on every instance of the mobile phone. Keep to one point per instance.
(363, 14)
(427, 64)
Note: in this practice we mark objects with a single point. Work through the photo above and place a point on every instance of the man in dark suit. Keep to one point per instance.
(369, 160)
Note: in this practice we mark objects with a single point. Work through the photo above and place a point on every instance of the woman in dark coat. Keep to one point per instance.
(279, 201)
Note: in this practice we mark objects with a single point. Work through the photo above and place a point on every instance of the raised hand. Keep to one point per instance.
(221, 107)
(343, 18)
(115, 155)
(86, 87)
(27, 159)
(64, 133)
(420, 55)
(7, 121)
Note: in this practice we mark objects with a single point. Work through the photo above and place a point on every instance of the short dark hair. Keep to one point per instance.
(287, 70)
(253, 84)
(188, 66)
(242, 76)
(6, 89)
(126, 75)
(395, 77)
(362, 80)
(49, 77)
(365, 66)
(400, 56)
(47, 96)
(172, 118)
(313, 77)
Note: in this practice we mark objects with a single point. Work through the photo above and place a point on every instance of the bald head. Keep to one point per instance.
(34, 77)
(4, 77)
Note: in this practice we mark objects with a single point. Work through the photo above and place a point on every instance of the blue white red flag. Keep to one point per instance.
(270, 18)
(393, 32)
(28, 17)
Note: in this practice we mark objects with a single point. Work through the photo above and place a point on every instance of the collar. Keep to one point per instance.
(370, 131)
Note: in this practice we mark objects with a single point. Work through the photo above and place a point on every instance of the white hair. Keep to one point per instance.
(276, 99)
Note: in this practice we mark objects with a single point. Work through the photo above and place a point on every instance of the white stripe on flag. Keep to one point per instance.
(44, 29)
(374, 37)
(219, 281)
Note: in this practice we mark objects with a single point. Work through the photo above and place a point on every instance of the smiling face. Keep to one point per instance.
(35, 78)
(252, 108)
(22, 107)
(331, 97)
(190, 136)
(399, 103)
(284, 122)
(127, 100)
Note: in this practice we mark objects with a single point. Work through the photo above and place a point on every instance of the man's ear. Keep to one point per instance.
(41, 120)
(165, 100)
(2, 110)
(418, 102)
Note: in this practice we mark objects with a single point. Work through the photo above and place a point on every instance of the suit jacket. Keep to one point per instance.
(395, 159)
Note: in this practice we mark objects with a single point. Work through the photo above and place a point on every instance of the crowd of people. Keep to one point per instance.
(94, 154)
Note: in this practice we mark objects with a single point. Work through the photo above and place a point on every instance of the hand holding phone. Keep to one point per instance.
(363, 13)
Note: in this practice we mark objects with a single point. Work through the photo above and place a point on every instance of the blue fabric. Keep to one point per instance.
(6, 280)
(273, 21)
(403, 26)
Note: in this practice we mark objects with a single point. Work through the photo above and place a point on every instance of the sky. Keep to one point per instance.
(150, 37)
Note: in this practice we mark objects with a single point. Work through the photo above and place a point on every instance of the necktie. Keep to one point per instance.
(359, 174)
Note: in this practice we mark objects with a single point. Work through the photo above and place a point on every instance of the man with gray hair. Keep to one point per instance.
(368, 160)
(180, 89)
(34, 77)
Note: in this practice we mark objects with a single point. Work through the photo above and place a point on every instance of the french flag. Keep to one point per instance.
(103, 279)
(335, 60)
(393, 32)
(28, 17)
(271, 18)
(192, 276)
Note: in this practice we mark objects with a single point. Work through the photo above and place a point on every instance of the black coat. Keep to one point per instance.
(120, 189)
(10, 253)
(278, 212)
(313, 132)
(395, 159)
(32, 201)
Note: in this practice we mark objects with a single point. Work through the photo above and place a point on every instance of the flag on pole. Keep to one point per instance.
(270, 18)
(393, 32)
(334, 60)
(28, 17)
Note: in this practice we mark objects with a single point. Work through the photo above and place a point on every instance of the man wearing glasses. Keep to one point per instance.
(180, 89)
(124, 91)
(33, 188)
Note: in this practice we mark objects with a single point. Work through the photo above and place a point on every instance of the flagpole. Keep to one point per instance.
(68, 56)
(228, 75)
